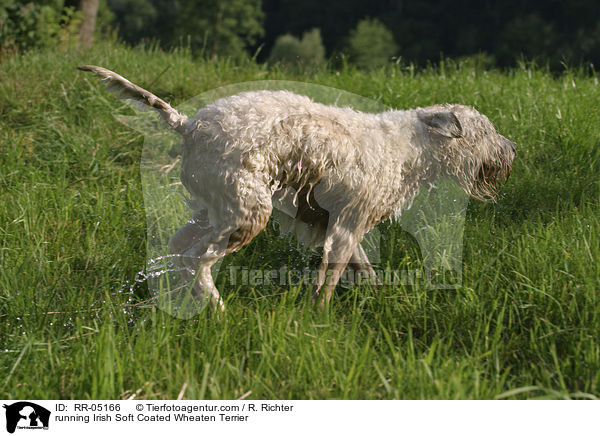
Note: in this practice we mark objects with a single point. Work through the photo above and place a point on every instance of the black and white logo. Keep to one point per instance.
(26, 415)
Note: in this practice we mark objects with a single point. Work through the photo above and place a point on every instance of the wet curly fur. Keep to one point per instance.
(335, 171)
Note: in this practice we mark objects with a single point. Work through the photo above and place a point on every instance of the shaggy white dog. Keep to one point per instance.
(343, 171)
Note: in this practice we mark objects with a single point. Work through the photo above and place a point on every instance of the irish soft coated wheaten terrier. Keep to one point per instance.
(344, 171)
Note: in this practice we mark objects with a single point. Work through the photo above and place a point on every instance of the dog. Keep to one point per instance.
(344, 171)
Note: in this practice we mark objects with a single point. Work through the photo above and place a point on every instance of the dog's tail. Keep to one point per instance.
(130, 91)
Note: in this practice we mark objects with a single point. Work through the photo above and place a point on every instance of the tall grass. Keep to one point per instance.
(75, 323)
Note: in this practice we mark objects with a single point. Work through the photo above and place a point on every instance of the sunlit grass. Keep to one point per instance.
(75, 323)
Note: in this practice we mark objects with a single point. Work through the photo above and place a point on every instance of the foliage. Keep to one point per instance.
(478, 62)
(428, 31)
(222, 28)
(529, 36)
(25, 25)
(371, 44)
(587, 45)
(568, 32)
(306, 52)
(138, 19)
(104, 21)
(211, 27)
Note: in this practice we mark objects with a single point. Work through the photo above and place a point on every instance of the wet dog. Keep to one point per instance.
(343, 170)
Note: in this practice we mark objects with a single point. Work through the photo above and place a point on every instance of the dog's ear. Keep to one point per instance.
(444, 123)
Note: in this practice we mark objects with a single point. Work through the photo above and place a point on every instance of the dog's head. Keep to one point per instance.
(468, 148)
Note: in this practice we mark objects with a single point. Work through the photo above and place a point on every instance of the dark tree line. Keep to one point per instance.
(550, 31)
(420, 31)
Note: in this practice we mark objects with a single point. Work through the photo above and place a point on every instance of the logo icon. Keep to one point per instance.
(26, 415)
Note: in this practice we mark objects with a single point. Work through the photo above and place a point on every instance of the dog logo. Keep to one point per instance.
(26, 415)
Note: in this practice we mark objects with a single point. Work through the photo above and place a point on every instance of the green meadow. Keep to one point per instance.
(77, 320)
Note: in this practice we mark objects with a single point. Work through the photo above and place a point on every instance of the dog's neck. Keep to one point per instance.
(418, 157)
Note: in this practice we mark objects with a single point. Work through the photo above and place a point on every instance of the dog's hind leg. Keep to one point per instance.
(204, 285)
(190, 246)
(195, 233)
(199, 248)
(191, 233)
(200, 244)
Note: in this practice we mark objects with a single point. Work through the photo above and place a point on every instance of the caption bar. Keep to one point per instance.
(25, 417)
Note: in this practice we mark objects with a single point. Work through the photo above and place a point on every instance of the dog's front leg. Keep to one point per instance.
(360, 264)
(337, 251)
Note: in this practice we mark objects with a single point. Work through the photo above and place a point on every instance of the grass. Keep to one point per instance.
(75, 323)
